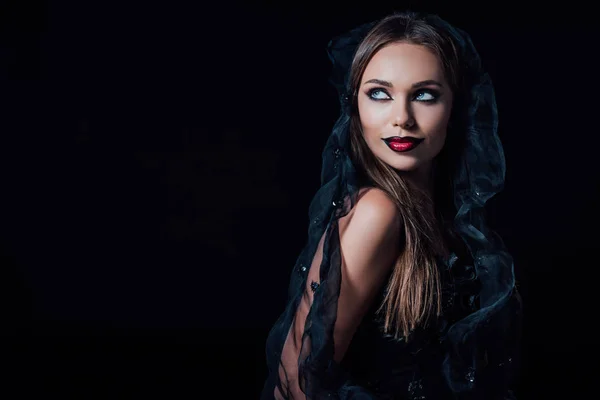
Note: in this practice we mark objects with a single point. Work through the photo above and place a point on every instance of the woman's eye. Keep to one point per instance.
(378, 94)
(425, 96)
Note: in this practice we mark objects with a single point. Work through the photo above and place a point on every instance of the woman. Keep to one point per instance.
(402, 292)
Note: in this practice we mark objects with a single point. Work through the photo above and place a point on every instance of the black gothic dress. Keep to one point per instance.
(378, 366)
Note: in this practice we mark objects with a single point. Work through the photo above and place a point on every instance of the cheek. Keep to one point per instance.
(434, 121)
(371, 117)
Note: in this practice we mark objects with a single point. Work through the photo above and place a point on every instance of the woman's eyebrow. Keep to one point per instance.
(414, 85)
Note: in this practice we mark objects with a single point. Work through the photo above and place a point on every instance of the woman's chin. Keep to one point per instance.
(404, 167)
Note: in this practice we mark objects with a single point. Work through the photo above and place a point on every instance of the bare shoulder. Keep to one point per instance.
(370, 233)
(370, 243)
(376, 206)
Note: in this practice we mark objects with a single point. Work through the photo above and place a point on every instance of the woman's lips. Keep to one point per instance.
(402, 144)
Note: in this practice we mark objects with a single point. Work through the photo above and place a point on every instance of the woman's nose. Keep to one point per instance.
(402, 116)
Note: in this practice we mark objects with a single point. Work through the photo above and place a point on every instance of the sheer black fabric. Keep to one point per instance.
(470, 352)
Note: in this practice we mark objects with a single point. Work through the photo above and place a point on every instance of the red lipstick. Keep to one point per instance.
(402, 144)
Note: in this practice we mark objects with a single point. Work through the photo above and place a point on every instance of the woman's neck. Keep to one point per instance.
(422, 178)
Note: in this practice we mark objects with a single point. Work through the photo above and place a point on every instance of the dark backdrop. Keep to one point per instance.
(158, 161)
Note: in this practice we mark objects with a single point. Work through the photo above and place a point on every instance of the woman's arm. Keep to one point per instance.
(369, 244)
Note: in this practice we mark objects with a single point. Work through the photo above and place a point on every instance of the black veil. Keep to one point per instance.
(479, 347)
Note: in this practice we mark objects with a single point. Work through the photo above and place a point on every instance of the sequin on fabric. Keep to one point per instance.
(313, 286)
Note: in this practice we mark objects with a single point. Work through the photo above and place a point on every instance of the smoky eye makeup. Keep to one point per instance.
(378, 94)
(424, 95)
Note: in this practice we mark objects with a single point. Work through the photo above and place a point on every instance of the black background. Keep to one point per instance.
(158, 161)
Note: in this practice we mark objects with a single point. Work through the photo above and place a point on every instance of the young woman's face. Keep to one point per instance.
(403, 93)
